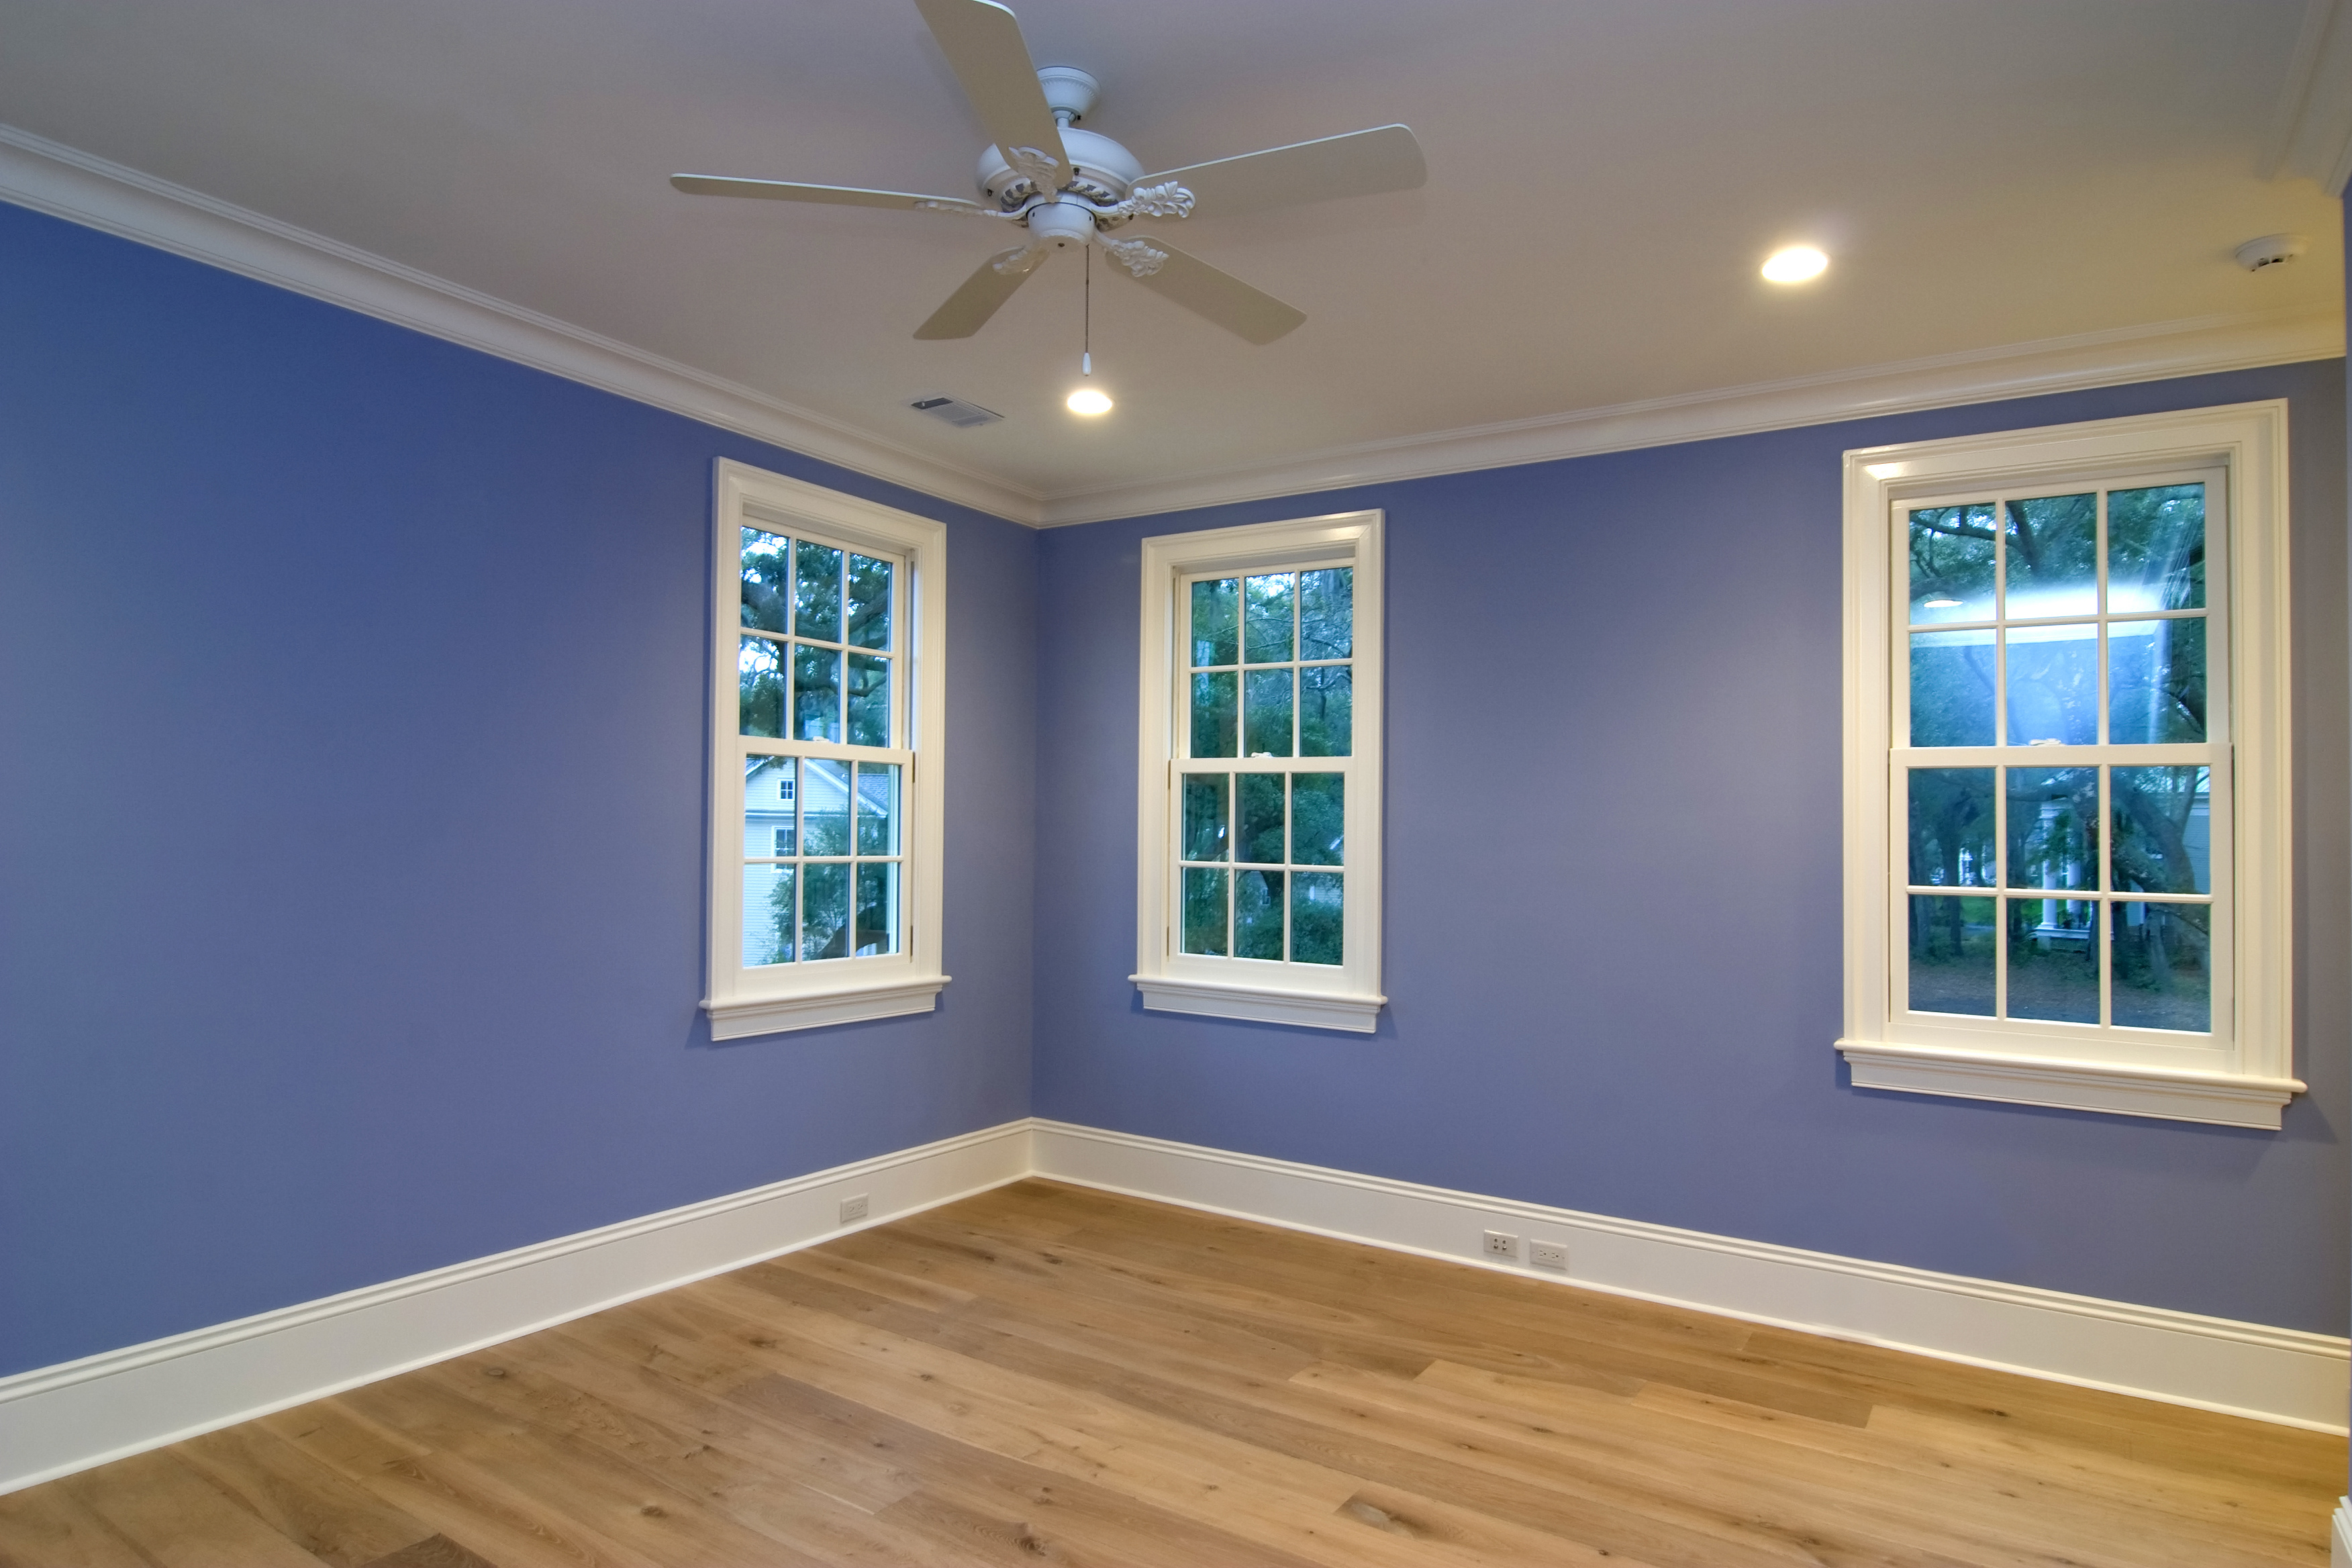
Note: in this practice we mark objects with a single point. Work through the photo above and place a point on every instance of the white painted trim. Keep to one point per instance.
(63, 182)
(58, 1419)
(2136, 1072)
(2310, 127)
(1345, 997)
(1260, 1004)
(2282, 1375)
(742, 1001)
(2118, 357)
(2340, 1535)
(2232, 1100)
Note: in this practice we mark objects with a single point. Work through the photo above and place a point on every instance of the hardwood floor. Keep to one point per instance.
(1049, 1374)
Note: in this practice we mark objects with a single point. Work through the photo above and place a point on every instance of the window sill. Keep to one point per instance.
(1258, 1005)
(735, 1019)
(2119, 1089)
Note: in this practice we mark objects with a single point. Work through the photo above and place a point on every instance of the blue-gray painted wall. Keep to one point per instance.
(1612, 887)
(352, 748)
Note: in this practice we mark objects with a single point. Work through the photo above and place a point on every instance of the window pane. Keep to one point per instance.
(1267, 714)
(878, 808)
(1207, 799)
(817, 597)
(1951, 689)
(1326, 613)
(2053, 557)
(1216, 619)
(1258, 914)
(2163, 829)
(1268, 607)
(767, 915)
(816, 693)
(824, 912)
(869, 601)
(1327, 712)
(2053, 683)
(2163, 967)
(1952, 827)
(767, 580)
(869, 699)
(2054, 960)
(1204, 911)
(759, 687)
(2053, 828)
(2156, 549)
(824, 808)
(1951, 954)
(1318, 818)
(2156, 683)
(1951, 564)
(1213, 714)
(768, 805)
(1262, 820)
(1318, 916)
(878, 908)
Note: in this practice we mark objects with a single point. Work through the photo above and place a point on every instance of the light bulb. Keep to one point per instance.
(1089, 401)
(1795, 264)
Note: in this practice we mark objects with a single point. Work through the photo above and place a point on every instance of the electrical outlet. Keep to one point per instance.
(1504, 1244)
(1549, 1255)
(853, 1209)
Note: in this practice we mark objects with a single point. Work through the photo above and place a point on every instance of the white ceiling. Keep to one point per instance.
(1605, 176)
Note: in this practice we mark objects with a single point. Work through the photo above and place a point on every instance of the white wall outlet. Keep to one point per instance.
(853, 1209)
(1502, 1243)
(1549, 1255)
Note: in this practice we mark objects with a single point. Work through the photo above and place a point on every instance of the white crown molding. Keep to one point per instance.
(81, 188)
(2112, 358)
(2311, 129)
(2284, 1376)
(63, 182)
(58, 1419)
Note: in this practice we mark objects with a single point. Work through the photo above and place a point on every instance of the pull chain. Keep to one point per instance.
(1087, 339)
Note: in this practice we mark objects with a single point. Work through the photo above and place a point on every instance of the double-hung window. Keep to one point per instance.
(826, 724)
(2067, 767)
(1259, 839)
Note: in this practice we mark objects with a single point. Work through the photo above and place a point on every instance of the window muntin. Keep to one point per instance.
(2059, 639)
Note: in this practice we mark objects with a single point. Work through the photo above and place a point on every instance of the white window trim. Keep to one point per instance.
(2247, 1077)
(776, 998)
(1289, 993)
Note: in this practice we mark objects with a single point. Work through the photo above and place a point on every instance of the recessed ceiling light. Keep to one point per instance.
(1795, 264)
(1089, 401)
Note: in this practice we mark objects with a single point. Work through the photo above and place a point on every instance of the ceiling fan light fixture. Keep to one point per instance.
(1090, 401)
(1795, 264)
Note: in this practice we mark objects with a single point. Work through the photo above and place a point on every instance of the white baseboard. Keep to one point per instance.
(2213, 1363)
(58, 1419)
(2340, 1538)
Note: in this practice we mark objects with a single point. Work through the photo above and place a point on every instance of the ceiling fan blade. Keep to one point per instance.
(1359, 164)
(1246, 313)
(983, 43)
(833, 195)
(970, 307)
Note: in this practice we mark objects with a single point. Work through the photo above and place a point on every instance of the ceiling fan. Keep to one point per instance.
(1069, 187)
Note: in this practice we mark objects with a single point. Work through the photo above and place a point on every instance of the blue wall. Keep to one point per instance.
(352, 801)
(1627, 1003)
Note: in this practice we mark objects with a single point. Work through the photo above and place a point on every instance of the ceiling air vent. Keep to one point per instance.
(955, 411)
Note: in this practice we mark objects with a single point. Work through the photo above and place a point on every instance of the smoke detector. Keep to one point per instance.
(2271, 250)
(954, 410)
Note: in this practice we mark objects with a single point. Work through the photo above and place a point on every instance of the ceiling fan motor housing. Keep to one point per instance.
(1102, 172)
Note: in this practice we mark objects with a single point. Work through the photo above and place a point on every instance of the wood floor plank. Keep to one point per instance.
(1046, 1374)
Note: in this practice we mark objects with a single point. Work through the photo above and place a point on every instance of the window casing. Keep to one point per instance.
(2067, 773)
(1259, 782)
(827, 729)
